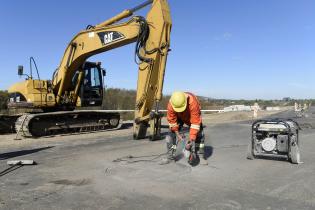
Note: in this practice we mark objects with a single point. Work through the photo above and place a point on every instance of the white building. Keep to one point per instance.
(235, 108)
(272, 108)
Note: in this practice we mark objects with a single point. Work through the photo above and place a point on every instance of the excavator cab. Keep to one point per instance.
(92, 85)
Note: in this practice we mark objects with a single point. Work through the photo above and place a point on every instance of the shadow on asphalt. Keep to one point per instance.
(10, 169)
(281, 159)
(208, 152)
(9, 155)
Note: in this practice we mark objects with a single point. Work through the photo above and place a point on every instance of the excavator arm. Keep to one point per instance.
(152, 37)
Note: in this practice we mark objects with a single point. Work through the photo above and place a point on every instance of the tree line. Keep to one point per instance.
(123, 99)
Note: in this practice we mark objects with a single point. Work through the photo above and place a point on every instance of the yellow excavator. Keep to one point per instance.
(78, 83)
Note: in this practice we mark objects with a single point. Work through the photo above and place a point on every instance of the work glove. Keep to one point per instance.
(191, 146)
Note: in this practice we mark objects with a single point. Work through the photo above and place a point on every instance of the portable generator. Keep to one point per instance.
(275, 138)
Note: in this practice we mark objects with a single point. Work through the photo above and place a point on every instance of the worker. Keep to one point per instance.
(184, 108)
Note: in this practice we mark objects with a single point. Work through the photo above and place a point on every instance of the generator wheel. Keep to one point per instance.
(250, 154)
(295, 155)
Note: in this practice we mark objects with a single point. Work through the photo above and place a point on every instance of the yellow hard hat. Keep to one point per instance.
(179, 101)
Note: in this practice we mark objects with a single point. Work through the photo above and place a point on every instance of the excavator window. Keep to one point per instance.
(95, 78)
(92, 87)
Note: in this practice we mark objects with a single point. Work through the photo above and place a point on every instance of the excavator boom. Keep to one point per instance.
(152, 37)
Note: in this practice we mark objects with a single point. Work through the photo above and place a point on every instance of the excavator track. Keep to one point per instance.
(65, 122)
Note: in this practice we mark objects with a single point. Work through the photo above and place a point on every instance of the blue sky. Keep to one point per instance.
(220, 48)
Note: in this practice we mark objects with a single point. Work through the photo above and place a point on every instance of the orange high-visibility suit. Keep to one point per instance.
(191, 116)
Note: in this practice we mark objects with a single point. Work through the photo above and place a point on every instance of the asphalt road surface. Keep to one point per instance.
(79, 172)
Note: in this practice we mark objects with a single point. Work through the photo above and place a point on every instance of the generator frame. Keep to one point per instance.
(285, 132)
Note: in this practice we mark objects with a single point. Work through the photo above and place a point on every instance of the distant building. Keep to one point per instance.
(235, 108)
(272, 108)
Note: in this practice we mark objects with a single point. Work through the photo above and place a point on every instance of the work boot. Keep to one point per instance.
(201, 140)
(201, 154)
(201, 149)
(171, 149)
(170, 156)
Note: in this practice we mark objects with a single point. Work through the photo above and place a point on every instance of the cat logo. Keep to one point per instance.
(110, 36)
